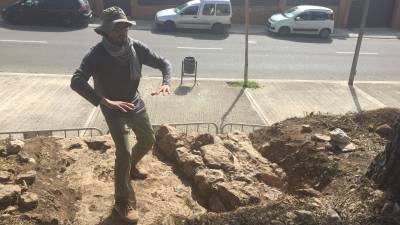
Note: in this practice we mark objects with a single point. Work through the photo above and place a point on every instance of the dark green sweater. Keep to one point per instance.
(111, 79)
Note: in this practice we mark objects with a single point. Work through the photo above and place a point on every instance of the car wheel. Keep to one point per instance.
(324, 33)
(218, 28)
(284, 31)
(169, 26)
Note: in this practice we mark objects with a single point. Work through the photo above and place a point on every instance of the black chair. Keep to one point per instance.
(189, 68)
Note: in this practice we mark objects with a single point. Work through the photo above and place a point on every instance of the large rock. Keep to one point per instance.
(270, 177)
(188, 161)
(28, 201)
(8, 194)
(29, 177)
(203, 139)
(251, 162)
(11, 147)
(338, 136)
(320, 138)
(384, 131)
(218, 157)
(306, 128)
(232, 195)
(164, 130)
(101, 146)
(205, 179)
(169, 143)
(5, 176)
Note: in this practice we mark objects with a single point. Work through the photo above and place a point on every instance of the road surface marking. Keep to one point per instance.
(361, 53)
(199, 48)
(25, 41)
(252, 42)
(257, 108)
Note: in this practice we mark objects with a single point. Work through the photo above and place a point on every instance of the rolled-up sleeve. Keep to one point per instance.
(79, 81)
(152, 59)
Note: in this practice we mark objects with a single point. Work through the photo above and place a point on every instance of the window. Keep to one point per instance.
(305, 16)
(209, 9)
(192, 10)
(289, 13)
(223, 10)
(319, 16)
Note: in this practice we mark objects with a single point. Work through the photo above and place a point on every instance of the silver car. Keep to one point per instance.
(213, 15)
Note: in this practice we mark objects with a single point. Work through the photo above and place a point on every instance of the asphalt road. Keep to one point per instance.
(52, 50)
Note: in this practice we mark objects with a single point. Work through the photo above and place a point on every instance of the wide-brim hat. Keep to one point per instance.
(110, 17)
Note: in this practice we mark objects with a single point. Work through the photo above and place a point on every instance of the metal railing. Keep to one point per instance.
(183, 127)
(229, 127)
(242, 127)
(51, 132)
(196, 126)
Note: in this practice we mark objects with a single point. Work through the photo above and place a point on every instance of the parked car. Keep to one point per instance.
(304, 19)
(68, 12)
(198, 14)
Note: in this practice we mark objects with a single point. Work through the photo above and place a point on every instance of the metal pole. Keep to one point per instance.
(359, 40)
(246, 53)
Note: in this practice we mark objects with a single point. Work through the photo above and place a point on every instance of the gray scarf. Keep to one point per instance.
(125, 55)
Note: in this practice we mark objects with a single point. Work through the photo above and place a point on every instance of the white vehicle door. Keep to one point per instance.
(223, 13)
(188, 17)
(207, 16)
(323, 19)
(303, 23)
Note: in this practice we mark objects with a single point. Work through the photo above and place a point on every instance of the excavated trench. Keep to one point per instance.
(276, 175)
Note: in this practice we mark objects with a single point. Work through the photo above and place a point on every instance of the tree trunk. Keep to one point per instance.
(385, 168)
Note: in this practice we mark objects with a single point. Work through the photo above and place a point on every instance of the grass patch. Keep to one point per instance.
(250, 84)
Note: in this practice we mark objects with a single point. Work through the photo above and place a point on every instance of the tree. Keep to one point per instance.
(385, 168)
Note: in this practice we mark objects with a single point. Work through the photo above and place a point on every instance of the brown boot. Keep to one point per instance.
(126, 212)
(138, 175)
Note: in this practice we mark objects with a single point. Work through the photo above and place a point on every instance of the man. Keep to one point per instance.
(115, 64)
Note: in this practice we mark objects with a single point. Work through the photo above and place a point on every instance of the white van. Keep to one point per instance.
(198, 14)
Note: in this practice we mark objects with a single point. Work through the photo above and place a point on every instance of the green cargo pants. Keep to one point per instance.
(120, 127)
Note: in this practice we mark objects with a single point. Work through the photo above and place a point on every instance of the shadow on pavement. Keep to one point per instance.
(303, 38)
(184, 90)
(355, 98)
(192, 33)
(41, 27)
(226, 114)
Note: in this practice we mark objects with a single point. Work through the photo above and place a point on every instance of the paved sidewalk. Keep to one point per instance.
(49, 103)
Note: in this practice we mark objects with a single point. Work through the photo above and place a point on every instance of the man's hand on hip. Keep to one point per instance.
(164, 89)
(120, 105)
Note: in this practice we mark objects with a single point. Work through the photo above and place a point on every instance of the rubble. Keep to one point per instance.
(11, 147)
(9, 193)
(28, 177)
(276, 175)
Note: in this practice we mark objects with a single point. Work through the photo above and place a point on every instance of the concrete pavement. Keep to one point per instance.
(39, 101)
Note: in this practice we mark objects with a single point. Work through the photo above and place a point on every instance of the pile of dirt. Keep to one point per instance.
(48, 199)
(295, 172)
